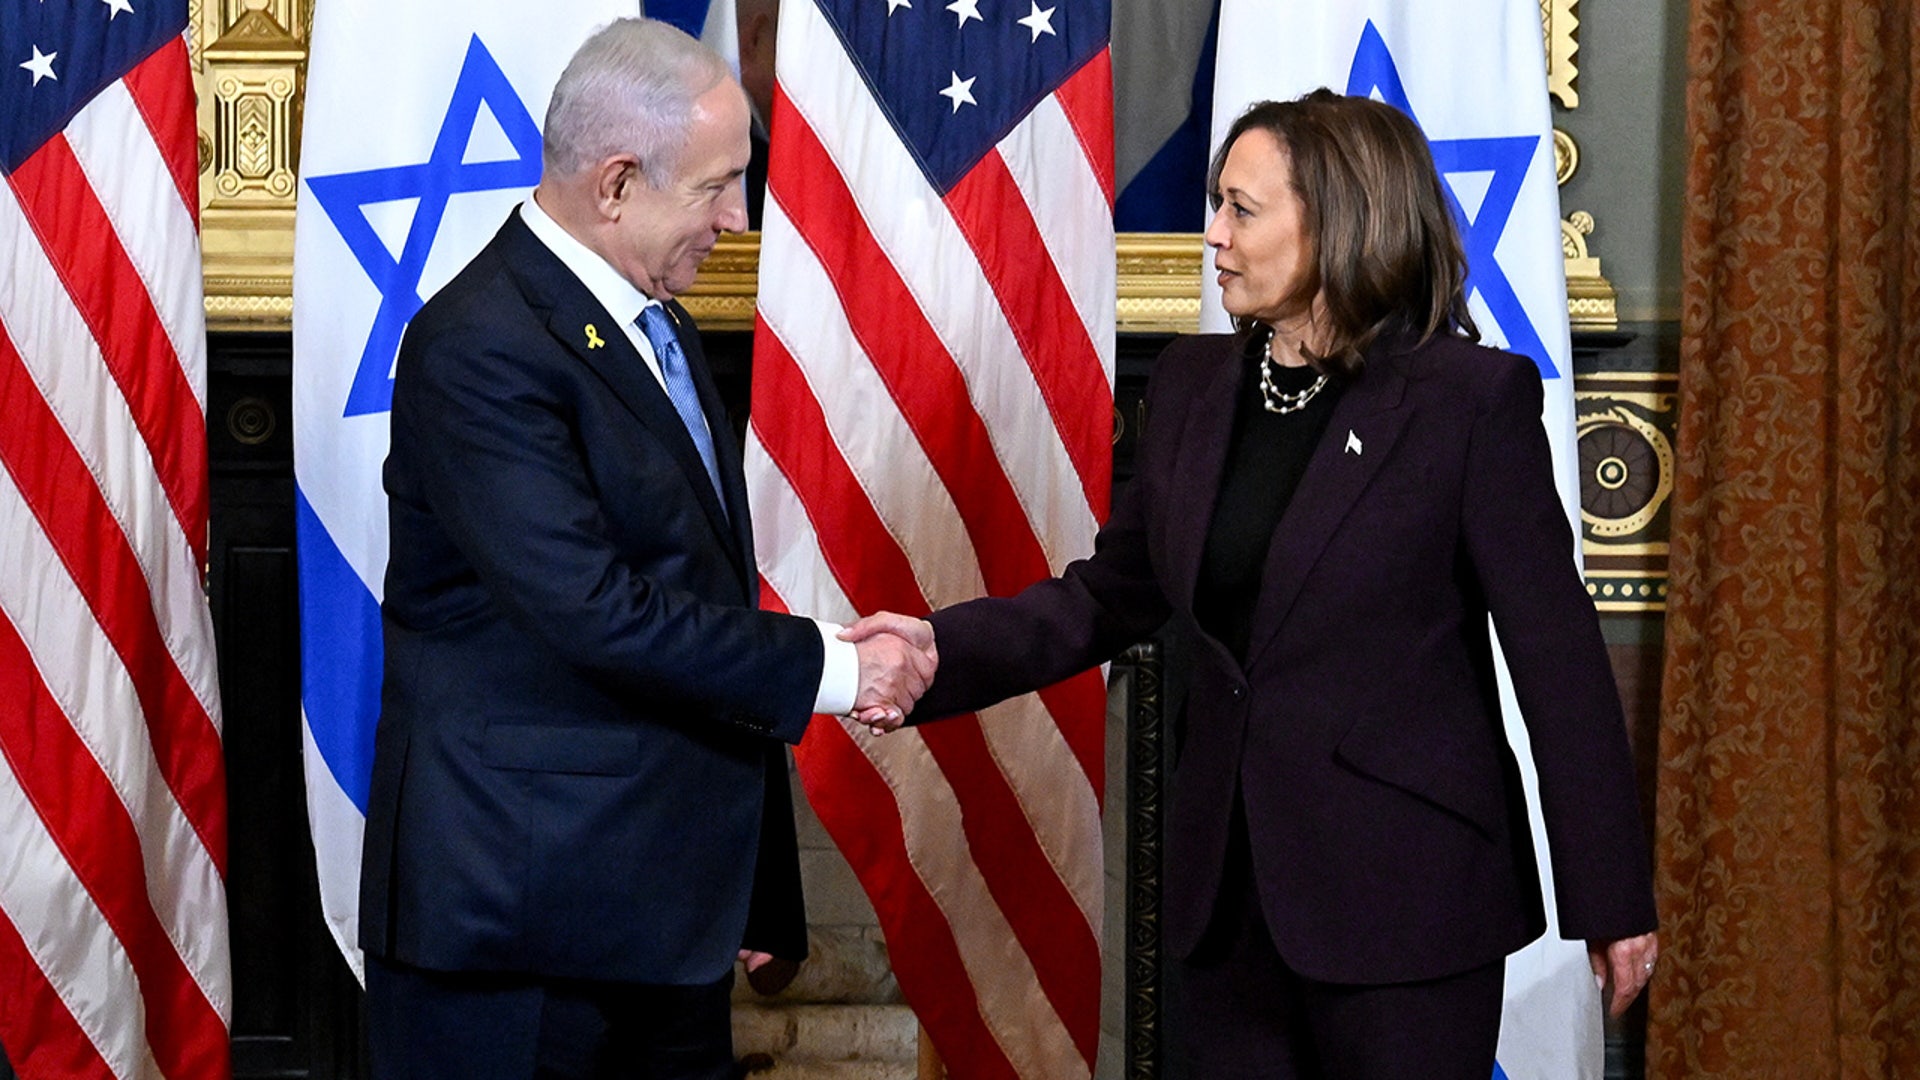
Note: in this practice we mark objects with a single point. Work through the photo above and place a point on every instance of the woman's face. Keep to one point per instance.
(1259, 234)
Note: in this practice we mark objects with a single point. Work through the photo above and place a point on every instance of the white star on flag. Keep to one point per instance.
(115, 7)
(896, 5)
(960, 92)
(1038, 21)
(42, 67)
(966, 9)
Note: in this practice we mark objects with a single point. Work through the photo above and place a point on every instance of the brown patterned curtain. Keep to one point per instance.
(1789, 780)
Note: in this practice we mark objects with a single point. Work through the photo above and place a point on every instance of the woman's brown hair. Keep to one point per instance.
(1387, 255)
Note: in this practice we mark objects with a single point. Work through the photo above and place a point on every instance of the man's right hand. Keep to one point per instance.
(897, 664)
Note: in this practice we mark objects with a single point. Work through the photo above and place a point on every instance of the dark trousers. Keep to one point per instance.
(431, 1025)
(1239, 1011)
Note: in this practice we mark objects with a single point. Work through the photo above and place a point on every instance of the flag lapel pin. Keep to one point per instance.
(594, 341)
(1353, 443)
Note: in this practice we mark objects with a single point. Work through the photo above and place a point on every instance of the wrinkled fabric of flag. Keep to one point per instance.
(113, 817)
(932, 420)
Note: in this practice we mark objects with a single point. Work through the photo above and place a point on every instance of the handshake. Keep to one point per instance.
(897, 664)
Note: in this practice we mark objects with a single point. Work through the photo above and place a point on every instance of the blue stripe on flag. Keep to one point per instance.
(345, 197)
(340, 656)
(1507, 159)
(688, 15)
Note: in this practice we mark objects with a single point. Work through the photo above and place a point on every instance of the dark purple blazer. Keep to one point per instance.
(1384, 809)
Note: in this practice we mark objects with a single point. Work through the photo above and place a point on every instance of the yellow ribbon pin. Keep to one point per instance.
(593, 338)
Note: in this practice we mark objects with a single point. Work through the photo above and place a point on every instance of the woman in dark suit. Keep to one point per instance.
(1331, 502)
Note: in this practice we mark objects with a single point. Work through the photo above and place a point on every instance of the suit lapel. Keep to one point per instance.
(581, 325)
(726, 449)
(1360, 436)
(1197, 474)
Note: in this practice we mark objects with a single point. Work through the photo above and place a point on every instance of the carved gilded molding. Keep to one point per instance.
(249, 59)
(1557, 23)
(1592, 301)
(1625, 424)
(722, 296)
(1159, 283)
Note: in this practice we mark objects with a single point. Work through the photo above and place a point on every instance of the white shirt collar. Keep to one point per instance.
(618, 295)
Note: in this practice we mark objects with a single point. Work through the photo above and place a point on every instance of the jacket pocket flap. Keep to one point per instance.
(1449, 768)
(598, 751)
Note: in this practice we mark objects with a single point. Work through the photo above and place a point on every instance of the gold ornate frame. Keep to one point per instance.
(251, 77)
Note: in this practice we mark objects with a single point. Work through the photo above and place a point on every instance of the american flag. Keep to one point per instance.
(932, 421)
(113, 944)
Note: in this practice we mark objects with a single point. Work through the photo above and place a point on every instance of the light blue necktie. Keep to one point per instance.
(680, 390)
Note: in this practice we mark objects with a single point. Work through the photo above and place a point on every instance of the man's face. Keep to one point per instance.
(665, 233)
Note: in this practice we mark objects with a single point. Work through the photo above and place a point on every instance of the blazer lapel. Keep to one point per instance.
(578, 322)
(1360, 436)
(726, 451)
(1196, 476)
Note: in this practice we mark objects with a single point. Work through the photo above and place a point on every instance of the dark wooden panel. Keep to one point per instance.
(295, 1011)
(1148, 763)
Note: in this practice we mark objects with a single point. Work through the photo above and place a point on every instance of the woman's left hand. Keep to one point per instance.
(1623, 967)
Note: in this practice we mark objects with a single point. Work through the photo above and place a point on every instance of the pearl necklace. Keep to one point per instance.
(1280, 402)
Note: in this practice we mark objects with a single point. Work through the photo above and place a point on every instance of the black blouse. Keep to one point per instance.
(1265, 460)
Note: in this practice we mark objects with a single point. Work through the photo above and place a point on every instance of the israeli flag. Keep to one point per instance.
(422, 132)
(1472, 73)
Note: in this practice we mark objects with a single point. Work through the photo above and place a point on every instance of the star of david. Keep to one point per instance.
(1507, 158)
(344, 197)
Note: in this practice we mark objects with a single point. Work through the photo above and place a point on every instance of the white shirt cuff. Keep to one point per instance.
(839, 674)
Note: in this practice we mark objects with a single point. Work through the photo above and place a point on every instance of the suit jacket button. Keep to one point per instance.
(1239, 692)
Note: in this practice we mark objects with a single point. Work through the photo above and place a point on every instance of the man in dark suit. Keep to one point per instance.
(580, 811)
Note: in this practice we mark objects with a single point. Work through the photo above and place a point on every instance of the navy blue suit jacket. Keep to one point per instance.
(1385, 816)
(579, 767)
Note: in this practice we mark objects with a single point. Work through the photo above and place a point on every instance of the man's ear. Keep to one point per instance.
(614, 181)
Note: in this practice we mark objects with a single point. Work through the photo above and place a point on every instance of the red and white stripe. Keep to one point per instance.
(932, 421)
(113, 940)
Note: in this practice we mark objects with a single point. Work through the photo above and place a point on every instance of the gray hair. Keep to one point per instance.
(629, 89)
